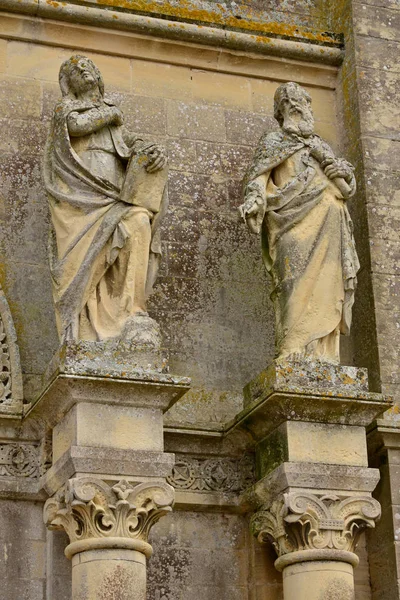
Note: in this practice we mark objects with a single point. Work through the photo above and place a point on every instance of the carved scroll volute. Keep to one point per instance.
(302, 521)
(95, 515)
(11, 390)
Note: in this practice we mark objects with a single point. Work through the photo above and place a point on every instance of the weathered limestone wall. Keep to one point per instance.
(23, 550)
(370, 77)
(209, 114)
(377, 39)
(208, 107)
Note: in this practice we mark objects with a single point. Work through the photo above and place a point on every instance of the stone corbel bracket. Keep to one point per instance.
(98, 516)
(303, 526)
(11, 389)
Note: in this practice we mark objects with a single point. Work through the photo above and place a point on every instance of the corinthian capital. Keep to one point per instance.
(94, 514)
(305, 521)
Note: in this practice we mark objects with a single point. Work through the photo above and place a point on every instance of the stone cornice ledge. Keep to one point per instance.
(306, 50)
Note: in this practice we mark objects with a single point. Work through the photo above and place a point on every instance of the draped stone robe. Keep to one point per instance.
(104, 253)
(308, 245)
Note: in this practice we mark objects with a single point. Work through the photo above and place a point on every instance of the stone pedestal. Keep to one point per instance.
(107, 482)
(313, 497)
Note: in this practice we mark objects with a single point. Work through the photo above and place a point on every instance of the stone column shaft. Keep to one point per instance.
(316, 580)
(109, 574)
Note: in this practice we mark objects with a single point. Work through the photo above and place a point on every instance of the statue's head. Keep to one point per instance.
(292, 109)
(79, 74)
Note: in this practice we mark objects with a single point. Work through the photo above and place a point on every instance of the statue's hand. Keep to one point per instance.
(117, 116)
(337, 168)
(156, 158)
(252, 211)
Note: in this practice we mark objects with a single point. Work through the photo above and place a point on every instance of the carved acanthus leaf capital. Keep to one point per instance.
(88, 508)
(306, 521)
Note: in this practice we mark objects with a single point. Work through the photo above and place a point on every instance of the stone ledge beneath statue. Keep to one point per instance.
(72, 379)
(329, 394)
(109, 464)
(291, 476)
(322, 378)
(112, 359)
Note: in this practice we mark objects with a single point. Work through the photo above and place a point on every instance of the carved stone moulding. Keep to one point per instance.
(11, 391)
(303, 526)
(18, 459)
(96, 515)
(211, 474)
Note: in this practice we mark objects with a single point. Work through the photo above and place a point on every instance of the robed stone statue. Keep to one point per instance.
(106, 189)
(295, 194)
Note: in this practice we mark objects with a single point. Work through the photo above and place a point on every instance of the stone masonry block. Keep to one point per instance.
(161, 80)
(19, 98)
(262, 95)
(196, 122)
(28, 290)
(26, 216)
(220, 88)
(182, 260)
(329, 132)
(23, 589)
(382, 152)
(118, 427)
(377, 21)
(22, 137)
(378, 98)
(378, 53)
(245, 128)
(181, 225)
(235, 158)
(208, 158)
(198, 191)
(144, 115)
(384, 222)
(385, 257)
(383, 187)
(387, 291)
(21, 520)
(43, 62)
(182, 155)
(181, 293)
(34, 61)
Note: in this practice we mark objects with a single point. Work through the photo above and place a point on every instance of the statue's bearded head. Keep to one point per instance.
(292, 109)
(78, 75)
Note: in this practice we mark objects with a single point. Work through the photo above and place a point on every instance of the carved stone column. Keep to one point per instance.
(104, 404)
(313, 497)
(108, 529)
(315, 536)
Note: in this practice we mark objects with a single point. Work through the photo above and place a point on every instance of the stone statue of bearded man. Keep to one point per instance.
(295, 194)
(106, 190)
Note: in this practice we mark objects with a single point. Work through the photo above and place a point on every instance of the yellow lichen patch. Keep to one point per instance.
(348, 380)
(246, 20)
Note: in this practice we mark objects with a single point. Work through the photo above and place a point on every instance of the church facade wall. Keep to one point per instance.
(208, 105)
